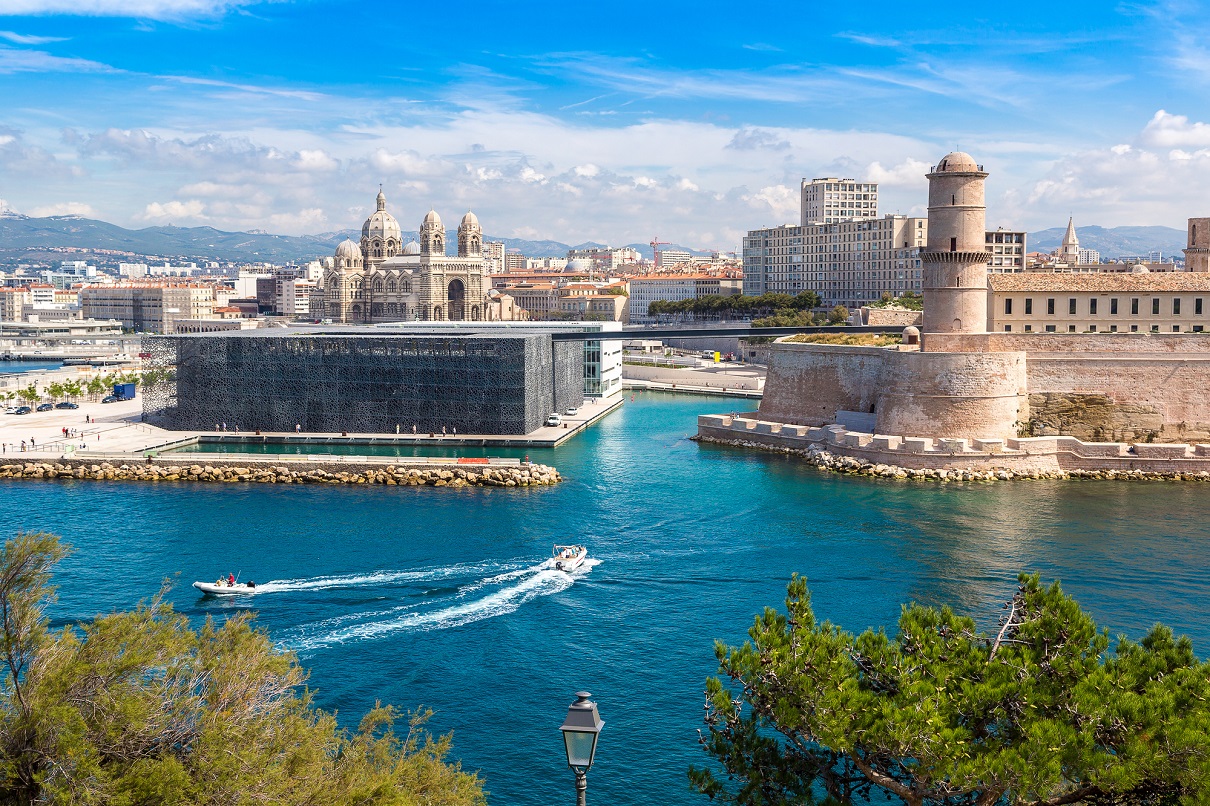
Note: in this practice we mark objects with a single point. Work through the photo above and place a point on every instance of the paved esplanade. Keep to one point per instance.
(116, 428)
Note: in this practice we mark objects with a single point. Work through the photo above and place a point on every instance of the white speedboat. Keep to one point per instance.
(223, 589)
(569, 558)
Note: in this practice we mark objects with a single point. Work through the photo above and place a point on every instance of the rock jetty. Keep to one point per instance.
(823, 459)
(523, 475)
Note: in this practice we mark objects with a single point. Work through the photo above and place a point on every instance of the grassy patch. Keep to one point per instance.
(848, 339)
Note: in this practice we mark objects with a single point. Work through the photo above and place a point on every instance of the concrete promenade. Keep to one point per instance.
(114, 431)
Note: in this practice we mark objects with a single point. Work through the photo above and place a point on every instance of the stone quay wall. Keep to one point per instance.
(274, 470)
(1059, 456)
(967, 395)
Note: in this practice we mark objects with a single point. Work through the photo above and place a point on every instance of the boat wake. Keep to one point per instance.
(474, 600)
(374, 579)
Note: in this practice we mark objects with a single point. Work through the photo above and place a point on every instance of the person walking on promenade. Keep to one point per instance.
(298, 428)
(443, 431)
(413, 429)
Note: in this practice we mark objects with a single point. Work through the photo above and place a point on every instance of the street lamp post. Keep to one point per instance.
(580, 731)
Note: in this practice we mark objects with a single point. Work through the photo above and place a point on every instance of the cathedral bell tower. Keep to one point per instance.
(470, 237)
(432, 235)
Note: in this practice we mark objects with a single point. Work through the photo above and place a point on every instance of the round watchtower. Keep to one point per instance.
(955, 259)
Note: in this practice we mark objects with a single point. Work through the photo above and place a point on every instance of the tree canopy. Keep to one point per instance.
(1040, 713)
(139, 709)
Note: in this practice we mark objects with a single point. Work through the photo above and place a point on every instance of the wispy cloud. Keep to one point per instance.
(138, 9)
(13, 60)
(253, 89)
(29, 39)
(762, 46)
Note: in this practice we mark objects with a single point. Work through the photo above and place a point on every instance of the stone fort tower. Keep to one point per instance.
(955, 259)
(1197, 256)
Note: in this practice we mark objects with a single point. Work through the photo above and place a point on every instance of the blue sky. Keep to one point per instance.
(608, 121)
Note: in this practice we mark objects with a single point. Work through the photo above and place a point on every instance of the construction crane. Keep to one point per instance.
(656, 243)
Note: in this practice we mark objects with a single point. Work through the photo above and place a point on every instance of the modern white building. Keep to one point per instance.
(647, 289)
(831, 200)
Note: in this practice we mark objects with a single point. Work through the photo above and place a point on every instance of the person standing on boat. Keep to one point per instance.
(231, 580)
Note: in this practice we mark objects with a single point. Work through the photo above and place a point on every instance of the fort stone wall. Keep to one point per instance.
(975, 395)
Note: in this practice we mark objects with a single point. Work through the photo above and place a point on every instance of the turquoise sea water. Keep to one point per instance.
(7, 367)
(419, 596)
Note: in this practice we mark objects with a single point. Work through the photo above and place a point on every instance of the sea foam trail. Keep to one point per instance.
(375, 578)
(519, 586)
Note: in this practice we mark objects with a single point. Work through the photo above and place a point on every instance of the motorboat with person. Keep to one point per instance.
(569, 558)
(226, 587)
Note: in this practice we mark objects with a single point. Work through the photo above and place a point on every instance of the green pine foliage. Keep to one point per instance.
(139, 709)
(735, 305)
(941, 714)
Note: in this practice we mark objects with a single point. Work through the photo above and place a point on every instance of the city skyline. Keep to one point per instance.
(696, 126)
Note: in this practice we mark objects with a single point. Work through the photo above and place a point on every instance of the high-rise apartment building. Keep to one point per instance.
(849, 263)
(148, 308)
(1007, 250)
(831, 200)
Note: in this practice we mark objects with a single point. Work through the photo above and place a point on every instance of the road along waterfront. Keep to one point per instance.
(418, 596)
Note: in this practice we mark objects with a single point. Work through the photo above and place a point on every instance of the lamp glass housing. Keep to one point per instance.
(581, 747)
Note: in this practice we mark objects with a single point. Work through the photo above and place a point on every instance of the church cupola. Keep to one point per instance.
(470, 237)
(432, 235)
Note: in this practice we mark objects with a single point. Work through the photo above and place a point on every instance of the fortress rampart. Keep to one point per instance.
(973, 395)
(1110, 399)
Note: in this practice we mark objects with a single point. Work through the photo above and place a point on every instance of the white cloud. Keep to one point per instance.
(63, 208)
(1145, 182)
(175, 210)
(28, 39)
(138, 9)
(13, 60)
(909, 173)
(315, 160)
(1167, 131)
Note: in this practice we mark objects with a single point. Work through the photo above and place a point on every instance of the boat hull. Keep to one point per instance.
(568, 558)
(210, 589)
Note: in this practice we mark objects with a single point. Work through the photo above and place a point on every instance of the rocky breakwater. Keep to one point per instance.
(849, 465)
(522, 475)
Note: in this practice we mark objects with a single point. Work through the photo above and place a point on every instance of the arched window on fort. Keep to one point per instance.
(953, 244)
(407, 286)
(391, 286)
(378, 285)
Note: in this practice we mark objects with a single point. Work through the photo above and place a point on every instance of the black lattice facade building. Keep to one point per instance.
(362, 382)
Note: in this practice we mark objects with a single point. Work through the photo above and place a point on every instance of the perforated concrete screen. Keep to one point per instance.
(362, 383)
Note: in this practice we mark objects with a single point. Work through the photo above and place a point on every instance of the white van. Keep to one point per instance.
(553, 419)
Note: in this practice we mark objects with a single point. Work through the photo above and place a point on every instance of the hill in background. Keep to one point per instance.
(32, 239)
(1115, 241)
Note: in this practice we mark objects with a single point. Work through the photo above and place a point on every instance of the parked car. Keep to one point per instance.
(23, 410)
(572, 412)
(45, 407)
(109, 399)
(553, 419)
(67, 404)
(11, 410)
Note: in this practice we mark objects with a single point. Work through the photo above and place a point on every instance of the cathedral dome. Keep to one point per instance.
(348, 249)
(470, 220)
(432, 218)
(411, 248)
(383, 226)
(958, 162)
